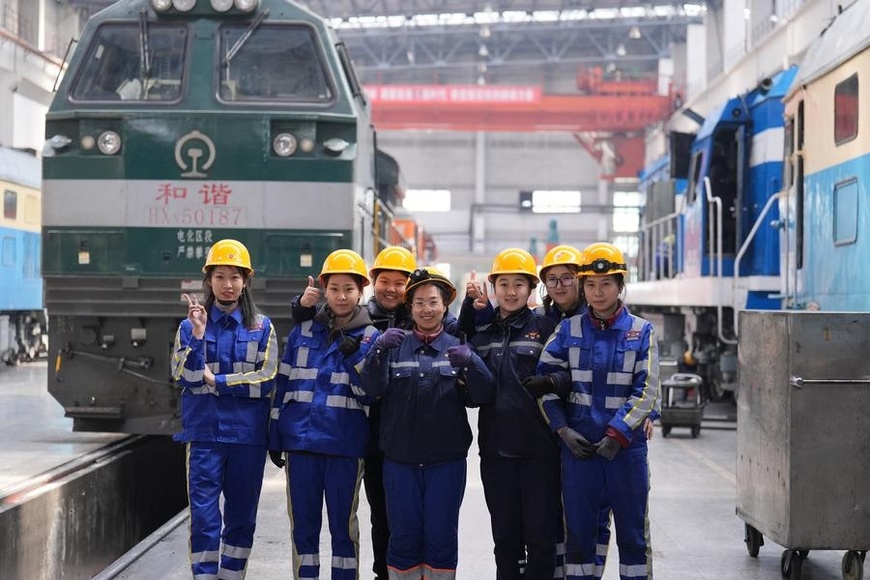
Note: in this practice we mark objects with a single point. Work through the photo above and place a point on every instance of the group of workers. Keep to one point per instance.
(378, 392)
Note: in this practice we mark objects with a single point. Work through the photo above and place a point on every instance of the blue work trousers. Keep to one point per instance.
(311, 477)
(622, 483)
(236, 471)
(423, 504)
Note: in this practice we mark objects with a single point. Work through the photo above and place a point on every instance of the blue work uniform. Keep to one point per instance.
(614, 383)
(425, 438)
(319, 418)
(519, 455)
(373, 479)
(226, 431)
(381, 319)
(471, 321)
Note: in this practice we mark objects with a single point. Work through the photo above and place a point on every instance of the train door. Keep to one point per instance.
(694, 240)
(727, 166)
(791, 204)
(799, 200)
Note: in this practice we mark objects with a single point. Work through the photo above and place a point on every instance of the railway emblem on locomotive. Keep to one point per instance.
(194, 146)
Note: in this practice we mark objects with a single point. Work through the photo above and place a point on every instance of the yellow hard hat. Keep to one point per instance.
(394, 258)
(514, 261)
(602, 259)
(562, 255)
(429, 275)
(344, 262)
(228, 253)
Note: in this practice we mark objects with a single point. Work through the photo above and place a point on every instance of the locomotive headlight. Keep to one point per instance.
(109, 143)
(246, 5)
(284, 145)
(306, 145)
(184, 5)
(161, 5)
(88, 142)
(221, 5)
(336, 146)
(59, 141)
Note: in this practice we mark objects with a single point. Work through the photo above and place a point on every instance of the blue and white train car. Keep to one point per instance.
(22, 319)
(723, 255)
(827, 247)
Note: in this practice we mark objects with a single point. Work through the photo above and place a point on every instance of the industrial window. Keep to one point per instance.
(846, 212)
(427, 200)
(846, 110)
(630, 248)
(555, 201)
(10, 204)
(626, 211)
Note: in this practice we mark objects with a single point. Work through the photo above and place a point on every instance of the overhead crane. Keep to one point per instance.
(607, 120)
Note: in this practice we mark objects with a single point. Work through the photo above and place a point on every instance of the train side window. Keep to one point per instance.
(846, 110)
(846, 212)
(8, 252)
(350, 72)
(788, 159)
(31, 210)
(692, 191)
(10, 204)
(31, 256)
(281, 63)
(116, 69)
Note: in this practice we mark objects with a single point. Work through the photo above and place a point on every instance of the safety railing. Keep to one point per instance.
(658, 248)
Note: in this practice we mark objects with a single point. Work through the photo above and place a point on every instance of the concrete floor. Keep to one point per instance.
(34, 434)
(695, 532)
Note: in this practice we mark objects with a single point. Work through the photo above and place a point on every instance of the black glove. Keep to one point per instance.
(538, 385)
(576, 443)
(277, 458)
(608, 447)
(349, 345)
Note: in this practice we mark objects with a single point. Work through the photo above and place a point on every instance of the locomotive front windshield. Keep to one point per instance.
(272, 63)
(133, 62)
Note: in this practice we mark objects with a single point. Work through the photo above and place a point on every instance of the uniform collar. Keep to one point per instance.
(216, 314)
(437, 343)
(515, 319)
(611, 322)
(427, 339)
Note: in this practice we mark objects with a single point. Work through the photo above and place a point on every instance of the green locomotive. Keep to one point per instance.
(179, 123)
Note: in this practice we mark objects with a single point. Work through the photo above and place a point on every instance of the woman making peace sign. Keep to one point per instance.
(225, 360)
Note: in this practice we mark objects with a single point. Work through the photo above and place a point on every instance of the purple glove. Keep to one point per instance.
(459, 355)
(390, 338)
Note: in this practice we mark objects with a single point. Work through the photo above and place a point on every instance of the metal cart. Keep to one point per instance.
(803, 438)
(682, 403)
